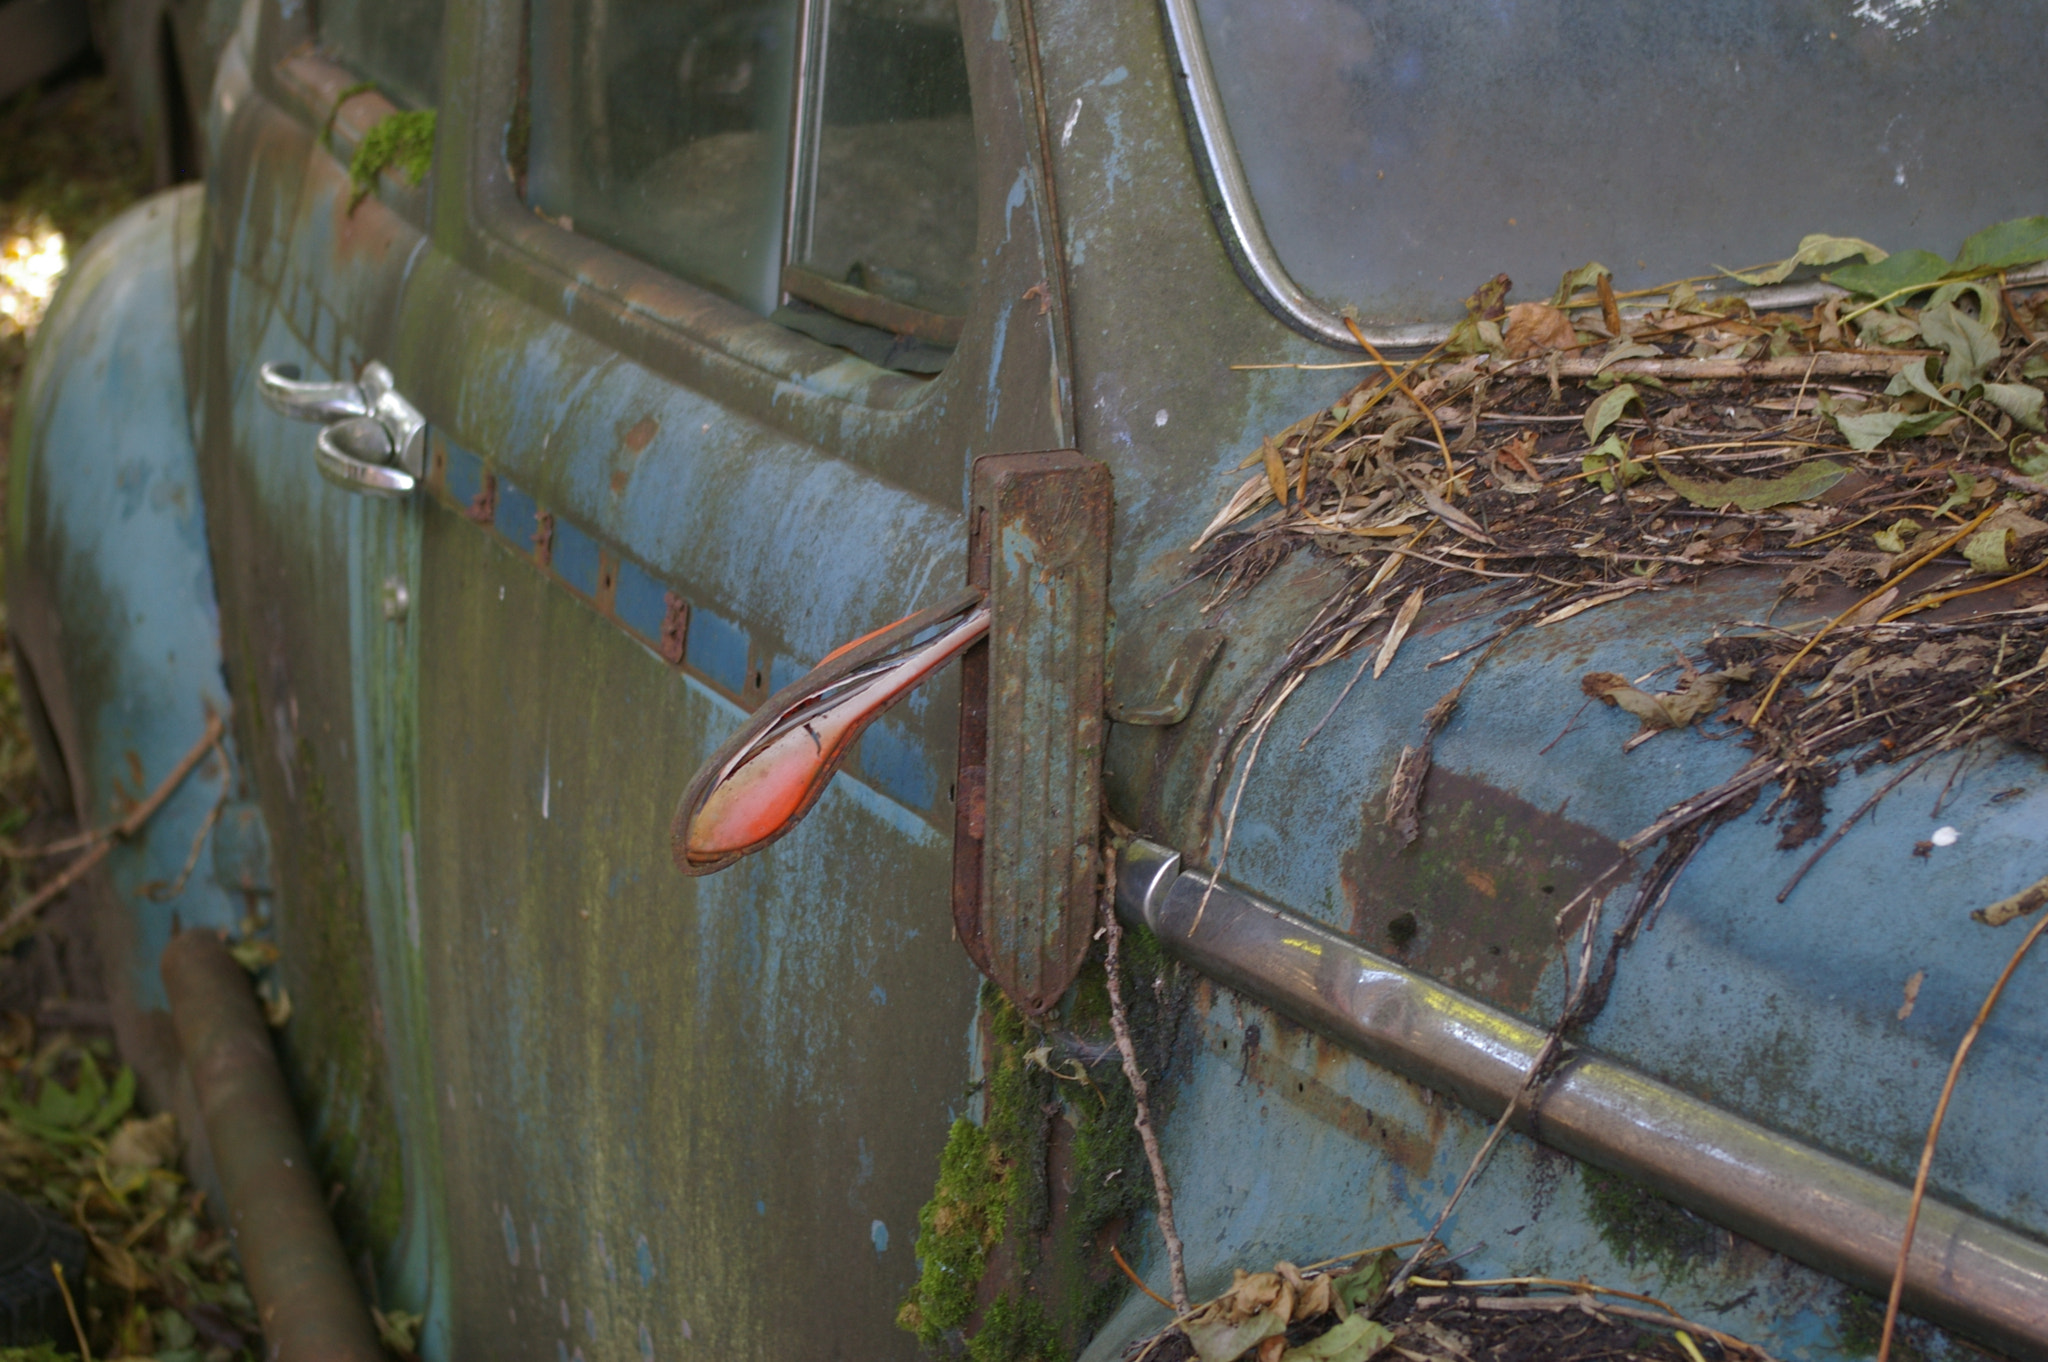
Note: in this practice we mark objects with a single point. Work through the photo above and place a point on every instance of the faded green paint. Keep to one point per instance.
(334, 1043)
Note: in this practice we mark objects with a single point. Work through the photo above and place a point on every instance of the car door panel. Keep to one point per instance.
(302, 275)
(685, 1112)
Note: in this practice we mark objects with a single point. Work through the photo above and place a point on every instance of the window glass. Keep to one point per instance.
(662, 127)
(396, 43)
(889, 204)
(1399, 156)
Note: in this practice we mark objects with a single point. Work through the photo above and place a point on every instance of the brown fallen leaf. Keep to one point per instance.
(1533, 328)
(2028, 900)
(1693, 700)
(139, 1143)
(1521, 452)
(1398, 631)
(1913, 982)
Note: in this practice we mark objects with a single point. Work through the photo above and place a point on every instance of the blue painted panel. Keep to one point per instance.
(575, 557)
(782, 671)
(895, 763)
(108, 535)
(641, 603)
(718, 649)
(464, 474)
(515, 516)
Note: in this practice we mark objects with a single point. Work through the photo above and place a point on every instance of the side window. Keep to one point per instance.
(395, 43)
(812, 160)
(883, 219)
(663, 129)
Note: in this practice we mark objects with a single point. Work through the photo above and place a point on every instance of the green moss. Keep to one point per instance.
(1860, 1327)
(1016, 1330)
(400, 141)
(1637, 1225)
(1059, 1283)
(966, 1217)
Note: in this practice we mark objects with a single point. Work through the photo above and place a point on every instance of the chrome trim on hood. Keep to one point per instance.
(1966, 1272)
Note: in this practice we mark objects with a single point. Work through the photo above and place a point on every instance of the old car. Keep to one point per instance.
(506, 436)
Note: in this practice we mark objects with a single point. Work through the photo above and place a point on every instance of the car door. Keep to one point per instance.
(303, 272)
(722, 303)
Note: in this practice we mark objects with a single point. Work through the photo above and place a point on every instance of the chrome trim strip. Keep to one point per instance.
(1213, 145)
(1966, 1272)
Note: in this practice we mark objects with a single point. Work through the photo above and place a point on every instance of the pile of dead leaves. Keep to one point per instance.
(1884, 444)
(1331, 1314)
(162, 1283)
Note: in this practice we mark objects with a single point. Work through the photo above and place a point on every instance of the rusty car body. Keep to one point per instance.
(653, 459)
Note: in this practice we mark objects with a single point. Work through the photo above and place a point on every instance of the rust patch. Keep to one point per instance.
(675, 628)
(633, 442)
(641, 434)
(544, 542)
(483, 507)
(1473, 903)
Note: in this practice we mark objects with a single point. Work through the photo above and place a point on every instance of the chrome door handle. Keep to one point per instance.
(373, 442)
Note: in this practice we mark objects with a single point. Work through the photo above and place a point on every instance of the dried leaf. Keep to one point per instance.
(1971, 346)
(1627, 349)
(1987, 551)
(2028, 900)
(2020, 241)
(1533, 328)
(1817, 249)
(1886, 328)
(139, 1143)
(2020, 401)
(1671, 709)
(1872, 610)
(1353, 1340)
(1893, 540)
(1608, 408)
(1585, 276)
(1276, 471)
(1398, 631)
(1802, 483)
(1913, 982)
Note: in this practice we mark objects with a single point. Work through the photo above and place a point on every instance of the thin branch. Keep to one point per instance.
(1120, 1022)
(1948, 1088)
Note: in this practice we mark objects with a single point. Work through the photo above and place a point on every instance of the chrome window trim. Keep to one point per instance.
(1966, 1272)
(1244, 233)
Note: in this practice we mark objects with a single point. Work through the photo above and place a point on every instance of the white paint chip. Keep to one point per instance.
(1067, 129)
(1159, 417)
(1944, 837)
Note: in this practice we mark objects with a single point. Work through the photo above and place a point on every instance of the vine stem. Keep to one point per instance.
(1120, 1022)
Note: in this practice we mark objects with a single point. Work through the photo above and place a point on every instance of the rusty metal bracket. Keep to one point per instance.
(1029, 794)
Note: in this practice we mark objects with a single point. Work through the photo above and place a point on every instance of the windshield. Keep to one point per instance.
(1399, 152)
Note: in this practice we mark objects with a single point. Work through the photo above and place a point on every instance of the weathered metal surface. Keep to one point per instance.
(1038, 544)
(325, 672)
(1965, 1271)
(310, 1303)
(1157, 673)
(110, 593)
(673, 1119)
